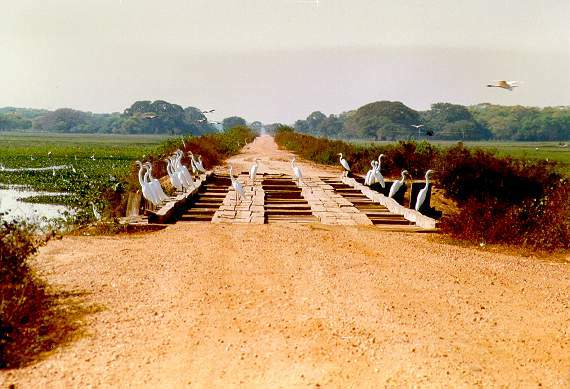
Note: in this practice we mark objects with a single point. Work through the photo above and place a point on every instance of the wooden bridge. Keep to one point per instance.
(279, 198)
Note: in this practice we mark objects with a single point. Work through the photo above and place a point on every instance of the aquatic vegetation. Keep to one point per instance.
(89, 168)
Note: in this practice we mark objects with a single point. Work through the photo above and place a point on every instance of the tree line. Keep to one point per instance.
(142, 117)
(393, 120)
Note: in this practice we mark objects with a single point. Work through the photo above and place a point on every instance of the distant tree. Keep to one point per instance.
(233, 121)
(453, 121)
(391, 119)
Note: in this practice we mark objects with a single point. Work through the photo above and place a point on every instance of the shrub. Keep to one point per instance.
(23, 296)
(501, 200)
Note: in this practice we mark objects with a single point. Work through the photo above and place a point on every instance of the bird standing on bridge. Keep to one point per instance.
(253, 171)
(344, 164)
(370, 175)
(296, 171)
(398, 184)
(237, 186)
(377, 172)
(423, 193)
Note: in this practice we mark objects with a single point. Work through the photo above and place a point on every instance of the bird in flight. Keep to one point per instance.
(209, 111)
(509, 85)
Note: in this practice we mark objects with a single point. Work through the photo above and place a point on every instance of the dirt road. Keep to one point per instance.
(206, 305)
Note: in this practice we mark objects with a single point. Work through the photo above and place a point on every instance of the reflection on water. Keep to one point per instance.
(14, 209)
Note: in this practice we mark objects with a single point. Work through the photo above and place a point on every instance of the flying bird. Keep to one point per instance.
(509, 85)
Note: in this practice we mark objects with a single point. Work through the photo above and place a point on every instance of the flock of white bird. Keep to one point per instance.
(182, 178)
(374, 175)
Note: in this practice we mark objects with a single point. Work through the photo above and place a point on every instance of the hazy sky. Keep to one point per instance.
(279, 60)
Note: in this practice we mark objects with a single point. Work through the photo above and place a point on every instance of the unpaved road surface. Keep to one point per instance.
(203, 305)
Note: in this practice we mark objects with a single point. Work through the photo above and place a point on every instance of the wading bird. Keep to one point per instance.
(423, 193)
(237, 186)
(296, 171)
(199, 165)
(145, 186)
(398, 184)
(95, 212)
(174, 178)
(378, 177)
(369, 176)
(155, 184)
(253, 171)
(344, 164)
(508, 85)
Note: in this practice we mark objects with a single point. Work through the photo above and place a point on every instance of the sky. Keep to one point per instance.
(280, 60)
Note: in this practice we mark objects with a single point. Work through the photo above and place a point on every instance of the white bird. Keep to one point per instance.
(378, 177)
(145, 187)
(153, 196)
(49, 153)
(344, 164)
(199, 165)
(174, 180)
(253, 171)
(73, 169)
(178, 171)
(237, 186)
(398, 184)
(296, 171)
(95, 212)
(93, 157)
(155, 184)
(370, 174)
(186, 178)
(509, 85)
(423, 193)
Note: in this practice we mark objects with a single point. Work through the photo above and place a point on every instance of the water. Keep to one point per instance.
(35, 213)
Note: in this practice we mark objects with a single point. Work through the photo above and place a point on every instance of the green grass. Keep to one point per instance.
(101, 162)
(525, 150)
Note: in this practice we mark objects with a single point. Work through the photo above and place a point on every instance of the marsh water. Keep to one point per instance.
(13, 208)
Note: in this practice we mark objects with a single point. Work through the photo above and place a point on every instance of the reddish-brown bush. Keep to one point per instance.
(501, 200)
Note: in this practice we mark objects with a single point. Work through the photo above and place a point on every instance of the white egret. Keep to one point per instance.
(378, 177)
(95, 212)
(174, 180)
(423, 193)
(199, 165)
(237, 186)
(398, 184)
(153, 195)
(186, 178)
(296, 171)
(370, 174)
(344, 164)
(253, 171)
(145, 187)
(155, 184)
(508, 85)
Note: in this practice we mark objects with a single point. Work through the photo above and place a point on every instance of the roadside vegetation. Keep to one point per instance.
(34, 318)
(500, 199)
